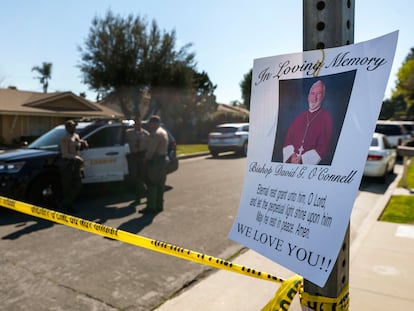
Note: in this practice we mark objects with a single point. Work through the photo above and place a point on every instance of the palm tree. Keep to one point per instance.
(45, 74)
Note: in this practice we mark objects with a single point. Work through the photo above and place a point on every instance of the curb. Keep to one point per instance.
(192, 155)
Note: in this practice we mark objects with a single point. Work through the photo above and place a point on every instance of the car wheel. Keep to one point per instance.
(172, 165)
(45, 191)
(214, 154)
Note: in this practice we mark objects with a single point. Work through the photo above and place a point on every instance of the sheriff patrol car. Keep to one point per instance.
(31, 173)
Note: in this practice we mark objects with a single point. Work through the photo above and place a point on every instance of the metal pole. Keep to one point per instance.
(326, 24)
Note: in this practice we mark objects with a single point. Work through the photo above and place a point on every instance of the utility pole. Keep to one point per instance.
(327, 24)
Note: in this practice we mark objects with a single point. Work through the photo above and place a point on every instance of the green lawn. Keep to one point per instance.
(400, 208)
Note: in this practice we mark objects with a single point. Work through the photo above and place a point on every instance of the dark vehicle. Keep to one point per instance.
(32, 174)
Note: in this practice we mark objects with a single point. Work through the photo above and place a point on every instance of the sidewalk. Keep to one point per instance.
(381, 274)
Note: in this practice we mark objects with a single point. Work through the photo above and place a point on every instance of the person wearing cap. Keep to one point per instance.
(72, 166)
(136, 138)
(156, 159)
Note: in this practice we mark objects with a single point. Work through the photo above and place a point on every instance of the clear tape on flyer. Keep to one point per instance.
(281, 301)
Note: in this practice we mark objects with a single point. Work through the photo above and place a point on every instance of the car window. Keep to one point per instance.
(388, 129)
(386, 143)
(106, 137)
(226, 130)
(245, 128)
(408, 127)
(50, 140)
(374, 142)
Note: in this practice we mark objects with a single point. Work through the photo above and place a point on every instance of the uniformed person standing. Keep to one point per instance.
(73, 163)
(136, 138)
(156, 160)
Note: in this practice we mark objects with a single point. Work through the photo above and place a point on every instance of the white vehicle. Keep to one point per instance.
(229, 137)
(381, 158)
(396, 133)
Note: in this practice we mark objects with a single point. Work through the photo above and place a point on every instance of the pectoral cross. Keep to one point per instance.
(301, 149)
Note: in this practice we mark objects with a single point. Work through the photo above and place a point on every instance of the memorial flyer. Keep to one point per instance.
(311, 123)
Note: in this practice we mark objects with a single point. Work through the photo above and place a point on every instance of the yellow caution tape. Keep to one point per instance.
(134, 239)
(285, 294)
(294, 285)
(281, 301)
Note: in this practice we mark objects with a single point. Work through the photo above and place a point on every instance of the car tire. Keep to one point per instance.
(172, 165)
(45, 191)
(214, 154)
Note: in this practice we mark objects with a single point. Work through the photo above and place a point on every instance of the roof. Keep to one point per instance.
(233, 109)
(66, 104)
(233, 124)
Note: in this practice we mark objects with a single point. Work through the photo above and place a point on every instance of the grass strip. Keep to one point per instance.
(191, 148)
(400, 209)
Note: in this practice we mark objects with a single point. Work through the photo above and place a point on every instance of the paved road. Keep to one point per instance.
(46, 266)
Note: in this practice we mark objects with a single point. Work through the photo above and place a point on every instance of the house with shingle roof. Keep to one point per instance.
(26, 115)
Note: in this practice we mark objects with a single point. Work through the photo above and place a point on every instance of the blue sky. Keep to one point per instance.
(227, 35)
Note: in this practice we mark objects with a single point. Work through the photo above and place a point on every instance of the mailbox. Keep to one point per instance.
(405, 151)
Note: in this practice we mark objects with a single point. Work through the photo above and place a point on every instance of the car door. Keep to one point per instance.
(105, 159)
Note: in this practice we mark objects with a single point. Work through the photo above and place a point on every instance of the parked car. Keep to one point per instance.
(394, 130)
(381, 158)
(229, 137)
(32, 174)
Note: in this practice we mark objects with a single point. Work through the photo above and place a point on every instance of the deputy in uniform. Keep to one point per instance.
(156, 160)
(136, 138)
(72, 166)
